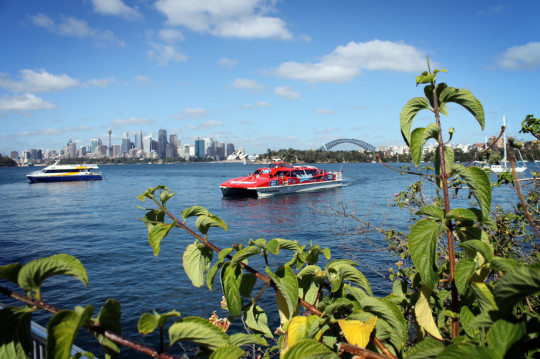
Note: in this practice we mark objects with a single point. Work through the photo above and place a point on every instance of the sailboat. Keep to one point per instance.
(504, 167)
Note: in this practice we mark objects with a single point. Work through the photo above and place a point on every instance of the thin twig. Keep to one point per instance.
(93, 328)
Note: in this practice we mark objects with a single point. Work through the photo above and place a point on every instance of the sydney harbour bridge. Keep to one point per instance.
(366, 146)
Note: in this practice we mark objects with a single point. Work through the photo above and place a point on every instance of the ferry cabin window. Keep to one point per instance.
(283, 173)
(257, 172)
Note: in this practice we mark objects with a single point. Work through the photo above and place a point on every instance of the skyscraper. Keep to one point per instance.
(199, 147)
(138, 140)
(173, 141)
(162, 143)
(125, 143)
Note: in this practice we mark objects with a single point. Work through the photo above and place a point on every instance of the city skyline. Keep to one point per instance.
(265, 74)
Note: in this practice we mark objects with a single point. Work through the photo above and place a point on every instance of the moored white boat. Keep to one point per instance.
(61, 173)
(505, 165)
(281, 178)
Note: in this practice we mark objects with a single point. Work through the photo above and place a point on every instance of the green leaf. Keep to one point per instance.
(468, 351)
(478, 246)
(485, 297)
(515, 285)
(409, 111)
(466, 99)
(231, 277)
(504, 264)
(256, 319)
(287, 287)
(335, 277)
(422, 244)
(424, 315)
(427, 348)
(353, 275)
(244, 253)
(247, 339)
(428, 92)
(478, 181)
(274, 245)
(147, 323)
(464, 271)
(228, 351)
(246, 284)
(308, 287)
(62, 331)
(448, 161)
(194, 211)
(196, 262)
(211, 275)
(204, 223)
(33, 273)
(502, 335)
(389, 313)
(434, 213)
(309, 348)
(461, 214)
(465, 317)
(156, 233)
(10, 272)
(15, 334)
(419, 137)
(198, 330)
(109, 319)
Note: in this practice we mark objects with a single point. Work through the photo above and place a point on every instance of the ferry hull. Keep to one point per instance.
(37, 179)
(297, 188)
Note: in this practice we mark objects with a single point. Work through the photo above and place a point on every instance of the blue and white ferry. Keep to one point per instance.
(61, 173)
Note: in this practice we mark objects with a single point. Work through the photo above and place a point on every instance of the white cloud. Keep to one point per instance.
(42, 81)
(325, 112)
(74, 27)
(347, 62)
(102, 82)
(116, 8)
(25, 102)
(226, 62)
(287, 92)
(171, 36)
(208, 125)
(238, 18)
(164, 54)
(521, 57)
(188, 113)
(56, 131)
(247, 84)
(130, 121)
(263, 104)
(142, 80)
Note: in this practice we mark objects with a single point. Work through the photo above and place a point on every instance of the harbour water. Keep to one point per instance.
(97, 222)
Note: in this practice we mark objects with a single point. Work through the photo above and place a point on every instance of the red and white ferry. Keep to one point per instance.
(281, 178)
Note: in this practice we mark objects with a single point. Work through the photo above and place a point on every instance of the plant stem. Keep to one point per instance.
(449, 225)
(93, 328)
(518, 189)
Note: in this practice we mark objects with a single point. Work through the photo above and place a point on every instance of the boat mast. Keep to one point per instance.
(504, 138)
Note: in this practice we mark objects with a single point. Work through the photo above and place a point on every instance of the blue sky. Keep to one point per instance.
(258, 73)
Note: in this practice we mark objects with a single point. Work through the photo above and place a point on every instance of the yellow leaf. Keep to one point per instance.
(298, 330)
(424, 317)
(357, 332)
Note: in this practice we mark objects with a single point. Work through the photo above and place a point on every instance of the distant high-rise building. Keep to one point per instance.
(138, 140)
(94, 143)
(147, 144)
(14, 155)
(124, 148)
(209, 147)
(175, 144)
(162, 143)
(116, 151)
(230, 149)
(199, 147)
